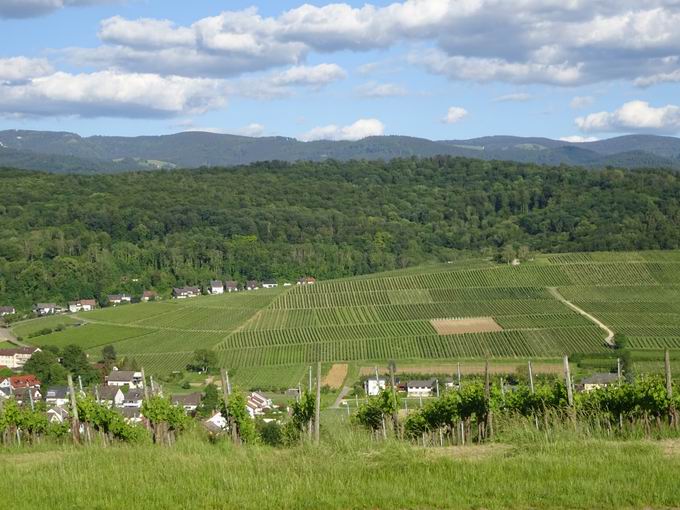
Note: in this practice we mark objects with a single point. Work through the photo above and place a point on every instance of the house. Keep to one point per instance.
(189, 402)
(16, 357)
(216, 423)
(597, 381)
(232, 286)
(149, 295)
(7, 310)
(287, 284)
(84, 305)
(119, 299)
(263, 401)
(128, 378)
(420, 388)
(252, 285)
(307, 280)
(57, 396)
(57, 415)
(186, 292)
(216, 287)
(134, 398)
(131, 414)
(26, 395)
(111, 396)
(257, 404)
(374, 386)
(17, 382)
(5, 393)
(43, 309)
(270, 284)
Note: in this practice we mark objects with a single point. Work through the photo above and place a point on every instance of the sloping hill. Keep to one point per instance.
(406, 316)
(69, 152)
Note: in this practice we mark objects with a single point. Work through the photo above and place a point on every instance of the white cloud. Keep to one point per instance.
(648, 81)
(563, 43)
(518, 97)
(22, 68)
(455, 114)
(580, 102)
(319, 75)
(360, 129)
(254, 130)
(109, 93)
(579, 139)
(32, 8)
(375, 90)
(633, 116)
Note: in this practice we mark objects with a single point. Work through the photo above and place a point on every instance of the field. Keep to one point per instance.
(389, 316)
(360, 474)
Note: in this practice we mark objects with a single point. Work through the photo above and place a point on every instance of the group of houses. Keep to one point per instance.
(7, 310)
(83, 305)
(216, 287)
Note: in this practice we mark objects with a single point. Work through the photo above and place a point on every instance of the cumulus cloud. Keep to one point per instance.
(316, 76)
(110, 93)
(454, 115)
(360, 129)
(518, 97)
(374, 90)
(579, 139)
(580, 102)
(554, 42)
(633, 116)
(32, 8)
(22, 68)
(254, 130)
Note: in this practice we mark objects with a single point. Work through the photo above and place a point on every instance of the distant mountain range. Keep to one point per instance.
(68, 152)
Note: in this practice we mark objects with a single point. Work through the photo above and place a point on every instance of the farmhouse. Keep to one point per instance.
(57, 395)
(149, 295)
(110, 395)
(307, 280)
(17, 357)
(216, 287)
(134, 398)
(119, 299)
(26, 395)
(270, 284)
(128, 378)
(420, 388)
(216, 423)
(131, 414)
(597, 381)
(43, 309)
(257, 404)
(373, 386)
(231, 286)
(84, 305)
(57, 415)
(186, 292)
(189, 402)
(17, 382)
(252, 285)
(7, 310)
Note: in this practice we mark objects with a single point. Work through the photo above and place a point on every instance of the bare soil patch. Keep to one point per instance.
(469, 325)
(336, 376)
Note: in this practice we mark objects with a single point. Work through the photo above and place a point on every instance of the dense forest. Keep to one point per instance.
(64, 237)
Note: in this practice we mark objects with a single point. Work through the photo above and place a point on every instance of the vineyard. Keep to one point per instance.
(389, 316)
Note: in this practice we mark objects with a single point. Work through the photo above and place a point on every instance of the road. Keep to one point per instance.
(7, 336)
(610, 333)
(343, 393)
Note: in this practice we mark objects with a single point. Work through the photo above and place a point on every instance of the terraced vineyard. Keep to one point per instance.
(388, 316)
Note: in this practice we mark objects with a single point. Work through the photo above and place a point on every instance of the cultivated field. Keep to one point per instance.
(390, 316)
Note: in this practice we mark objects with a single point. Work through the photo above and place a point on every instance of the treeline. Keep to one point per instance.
(64, 237)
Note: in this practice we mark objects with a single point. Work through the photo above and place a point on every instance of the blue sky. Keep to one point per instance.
(439, 69)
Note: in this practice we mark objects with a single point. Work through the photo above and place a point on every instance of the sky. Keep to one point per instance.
(438, 69)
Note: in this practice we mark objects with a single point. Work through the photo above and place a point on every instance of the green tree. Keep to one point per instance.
(210, 401)
(45, 366)
(203, 361)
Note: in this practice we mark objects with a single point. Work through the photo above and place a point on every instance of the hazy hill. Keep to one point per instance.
(69, 152)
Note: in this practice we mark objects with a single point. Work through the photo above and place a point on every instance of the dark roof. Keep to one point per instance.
(602, 378)
(216, 283)
(192, 399)
(59, 392)
(7, 309)
(134, 394)
(232, 284)
(149, 293)
(121, 375)
(270, 282)
(107, 392)
(421, 384)
(46, 305)
(18, 350)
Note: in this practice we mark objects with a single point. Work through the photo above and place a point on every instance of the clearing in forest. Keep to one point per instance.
(468, 325)
(336, 376)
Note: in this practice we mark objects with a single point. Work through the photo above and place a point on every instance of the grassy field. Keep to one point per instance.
(389, 316)
(346, 472)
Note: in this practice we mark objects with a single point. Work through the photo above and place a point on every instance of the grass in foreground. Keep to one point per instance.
(347, 473)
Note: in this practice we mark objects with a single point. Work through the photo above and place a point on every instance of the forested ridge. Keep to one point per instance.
(65, 237)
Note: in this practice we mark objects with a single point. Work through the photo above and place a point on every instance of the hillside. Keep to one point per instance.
(393, 316)
(68, 152)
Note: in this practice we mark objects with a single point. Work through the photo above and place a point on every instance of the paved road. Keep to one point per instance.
(7, 336)
(343, 393)
(610, 333)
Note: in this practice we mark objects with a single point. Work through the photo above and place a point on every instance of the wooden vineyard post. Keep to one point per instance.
(75, 425)
(226, 391)
(669, 387)
(619, 372)
(146, 390)
(317, 407)
(570, 391)
(488, 432)
(531, 378)
(459, 377)
(395, 414)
